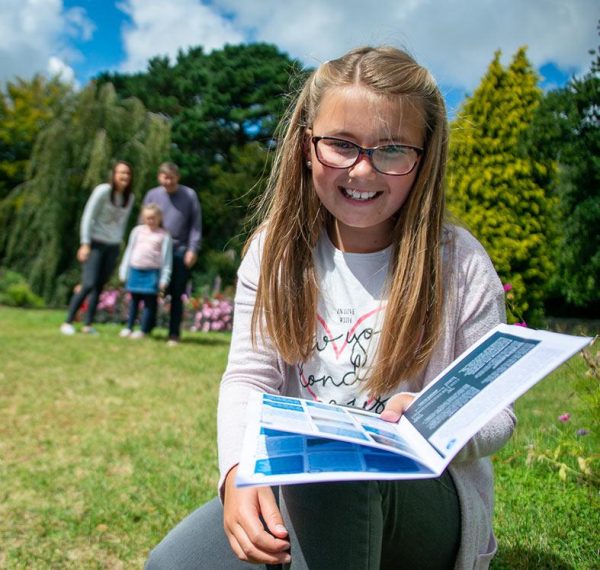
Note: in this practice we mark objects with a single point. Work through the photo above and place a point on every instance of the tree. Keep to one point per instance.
(236, 186)
(221, 105)
(71, 155)
(497, 188)
(26, 107)
(566, 129)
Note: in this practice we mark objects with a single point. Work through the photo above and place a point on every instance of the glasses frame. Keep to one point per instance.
(367, 151)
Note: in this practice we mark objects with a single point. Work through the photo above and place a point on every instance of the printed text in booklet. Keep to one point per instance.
(291, 440)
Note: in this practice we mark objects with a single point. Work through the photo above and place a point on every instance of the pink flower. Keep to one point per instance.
(521, 324)
(507, 287)
(564, 418)
(108, 300)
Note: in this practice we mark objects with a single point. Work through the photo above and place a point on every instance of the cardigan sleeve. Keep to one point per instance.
(90, 212)
(249, 368)
(124, 266)
(166, 259)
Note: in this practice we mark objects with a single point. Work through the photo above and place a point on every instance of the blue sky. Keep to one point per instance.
(104, 50)
(455, 39)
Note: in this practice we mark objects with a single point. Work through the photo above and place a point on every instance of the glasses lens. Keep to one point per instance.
(388, 159)
(336, 152)
(395, 159)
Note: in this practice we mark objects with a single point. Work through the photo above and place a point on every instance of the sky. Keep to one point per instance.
(455, 39)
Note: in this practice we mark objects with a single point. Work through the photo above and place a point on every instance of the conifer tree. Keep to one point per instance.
(70, 157)
(497, 189)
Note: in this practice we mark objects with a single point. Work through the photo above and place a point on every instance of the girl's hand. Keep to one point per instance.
(83, 253)
(396, 406)
(250, 541)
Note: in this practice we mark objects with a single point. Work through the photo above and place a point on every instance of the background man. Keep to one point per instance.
(182, 218)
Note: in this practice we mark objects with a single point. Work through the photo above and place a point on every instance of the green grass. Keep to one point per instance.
(106, 443)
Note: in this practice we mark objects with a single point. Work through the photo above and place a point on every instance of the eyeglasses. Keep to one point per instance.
(392, 159)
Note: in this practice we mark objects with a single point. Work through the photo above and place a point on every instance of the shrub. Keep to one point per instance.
(15, 291)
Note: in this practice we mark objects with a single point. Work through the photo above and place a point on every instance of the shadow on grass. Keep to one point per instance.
(199, 340)
(520, 558)
(206, 341)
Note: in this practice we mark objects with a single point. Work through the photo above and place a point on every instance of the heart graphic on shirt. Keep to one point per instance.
(339, 350)
(350, 338)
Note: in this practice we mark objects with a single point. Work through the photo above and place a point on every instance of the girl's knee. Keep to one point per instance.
(156, 560)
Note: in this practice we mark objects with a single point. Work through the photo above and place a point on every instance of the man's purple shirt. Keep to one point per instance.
(181, 215)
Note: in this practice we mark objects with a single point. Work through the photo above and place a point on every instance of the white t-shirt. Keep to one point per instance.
(349, 319)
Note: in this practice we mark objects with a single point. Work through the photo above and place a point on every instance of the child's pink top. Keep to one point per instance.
(147, 249)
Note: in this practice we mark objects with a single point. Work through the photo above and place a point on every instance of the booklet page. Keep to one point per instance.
(490, 376)
(290, 440)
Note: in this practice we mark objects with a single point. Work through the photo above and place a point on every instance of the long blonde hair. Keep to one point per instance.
(293, 218)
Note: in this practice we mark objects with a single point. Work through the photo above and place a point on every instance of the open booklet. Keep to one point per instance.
(291, 440)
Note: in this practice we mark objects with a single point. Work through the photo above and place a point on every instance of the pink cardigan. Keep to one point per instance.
(474, 303)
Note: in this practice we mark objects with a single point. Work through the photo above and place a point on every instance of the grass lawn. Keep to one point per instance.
(105, 443)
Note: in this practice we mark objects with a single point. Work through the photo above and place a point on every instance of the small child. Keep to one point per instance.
(146, 269)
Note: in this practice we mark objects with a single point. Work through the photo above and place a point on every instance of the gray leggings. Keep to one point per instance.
(335, 526)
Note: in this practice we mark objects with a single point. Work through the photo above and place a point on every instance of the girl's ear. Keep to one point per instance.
(306, 144)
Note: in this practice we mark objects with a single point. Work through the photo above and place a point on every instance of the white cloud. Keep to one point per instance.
(159, 28)
(34, 37)
(78, 24)
(455, 39)
(58, 68)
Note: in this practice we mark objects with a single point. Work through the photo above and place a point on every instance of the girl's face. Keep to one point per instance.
(151, 219)
(362, 200)
(121, 177)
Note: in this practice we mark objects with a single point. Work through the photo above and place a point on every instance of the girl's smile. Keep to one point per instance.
(358, 195)
(362, 200)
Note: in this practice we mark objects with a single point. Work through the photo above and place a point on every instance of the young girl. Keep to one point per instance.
(146, 269)
(102, 227)
(354, 290)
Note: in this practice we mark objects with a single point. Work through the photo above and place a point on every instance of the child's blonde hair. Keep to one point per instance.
(286, 301)
(154, 208)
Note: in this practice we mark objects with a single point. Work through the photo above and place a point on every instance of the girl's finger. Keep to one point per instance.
(396, 406)
(271, 514)
(249, 549)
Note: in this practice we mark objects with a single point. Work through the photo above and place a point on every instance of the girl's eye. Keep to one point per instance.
(341, 145)
(392, 150)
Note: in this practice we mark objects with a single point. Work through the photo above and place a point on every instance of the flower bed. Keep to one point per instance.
(199, 314)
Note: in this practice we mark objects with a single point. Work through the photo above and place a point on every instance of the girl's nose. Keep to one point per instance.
(363, 168)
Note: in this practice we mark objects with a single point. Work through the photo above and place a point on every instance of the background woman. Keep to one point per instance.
(102, 227)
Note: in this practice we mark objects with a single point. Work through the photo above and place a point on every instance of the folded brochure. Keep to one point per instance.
(292, 440)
